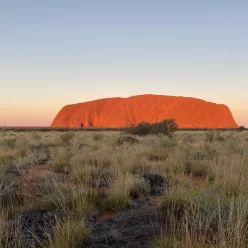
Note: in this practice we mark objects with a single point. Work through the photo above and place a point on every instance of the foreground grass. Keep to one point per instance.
(78, 175)
(68, 233)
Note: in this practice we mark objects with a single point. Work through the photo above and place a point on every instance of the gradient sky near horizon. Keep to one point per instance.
(58, 52)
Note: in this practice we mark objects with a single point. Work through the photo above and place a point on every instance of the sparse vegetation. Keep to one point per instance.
(195, 182)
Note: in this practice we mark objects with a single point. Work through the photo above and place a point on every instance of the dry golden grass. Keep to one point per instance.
(68, 233)
(207, 175)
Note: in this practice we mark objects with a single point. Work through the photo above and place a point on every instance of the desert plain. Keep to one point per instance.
(115, 189)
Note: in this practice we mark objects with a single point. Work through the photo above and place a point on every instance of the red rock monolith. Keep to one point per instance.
(125, 112)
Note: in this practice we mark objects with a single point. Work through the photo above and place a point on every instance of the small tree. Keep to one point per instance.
(166, 127)
(241, 128)
(143, 128)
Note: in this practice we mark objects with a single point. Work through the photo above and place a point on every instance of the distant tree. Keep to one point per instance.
(241, 128)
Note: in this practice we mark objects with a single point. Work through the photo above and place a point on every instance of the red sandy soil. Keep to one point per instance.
(28, 176)
(106, 215)
(125, 112)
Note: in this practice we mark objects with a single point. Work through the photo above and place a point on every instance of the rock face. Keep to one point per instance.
(125, 112)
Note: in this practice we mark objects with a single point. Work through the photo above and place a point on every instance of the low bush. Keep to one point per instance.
(166, 127)
(177, 203)
(199, 169)
(30, 159)
(144, 128)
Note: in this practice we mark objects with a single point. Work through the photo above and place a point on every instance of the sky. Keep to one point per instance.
(59, 52)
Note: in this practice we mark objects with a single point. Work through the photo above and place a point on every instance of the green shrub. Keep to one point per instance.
(166, 127)
(143, 128)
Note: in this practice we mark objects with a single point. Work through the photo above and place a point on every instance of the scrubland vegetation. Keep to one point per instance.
(113, 189)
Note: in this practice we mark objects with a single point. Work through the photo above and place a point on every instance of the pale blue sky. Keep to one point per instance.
(53, 53)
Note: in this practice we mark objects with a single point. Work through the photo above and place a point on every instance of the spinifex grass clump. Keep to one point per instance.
(177, 203)
(124, 188)
(60, 159)
(70, 203)
(68, 233)
(222, 218)
(30, 159)
(199, 169)
(52, 194)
